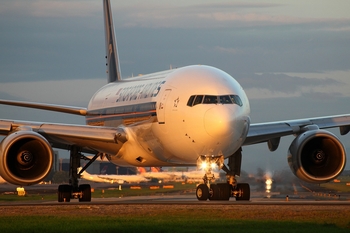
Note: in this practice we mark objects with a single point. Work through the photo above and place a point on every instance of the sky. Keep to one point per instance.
(292, 57)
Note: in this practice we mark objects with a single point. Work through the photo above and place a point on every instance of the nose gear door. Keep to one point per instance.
(162, 105)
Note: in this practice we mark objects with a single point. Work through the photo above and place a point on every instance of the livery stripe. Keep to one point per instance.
(129, 113)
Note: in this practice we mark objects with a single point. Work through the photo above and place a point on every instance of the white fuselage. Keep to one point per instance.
(170, 117)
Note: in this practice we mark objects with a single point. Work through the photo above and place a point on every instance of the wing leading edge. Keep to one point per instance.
(91, 139)
(271, 132)
(48, 107)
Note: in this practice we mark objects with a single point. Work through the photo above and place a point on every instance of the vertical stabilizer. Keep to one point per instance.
(112, 58)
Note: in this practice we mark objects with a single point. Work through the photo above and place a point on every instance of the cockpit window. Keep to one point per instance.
(213, 99)
(225, 99)
(190, 100)
(198, 100)
(210, 99)
(236, 100)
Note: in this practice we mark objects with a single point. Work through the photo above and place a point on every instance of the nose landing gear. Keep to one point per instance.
(223, 191)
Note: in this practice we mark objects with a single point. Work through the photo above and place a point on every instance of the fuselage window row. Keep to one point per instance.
(213, 99)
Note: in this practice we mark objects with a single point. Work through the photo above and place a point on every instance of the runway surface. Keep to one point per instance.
(304, 207)
(181, 200)
(192, 200)
(257, 198)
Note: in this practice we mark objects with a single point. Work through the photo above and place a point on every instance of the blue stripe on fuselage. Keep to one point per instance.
(121, 114)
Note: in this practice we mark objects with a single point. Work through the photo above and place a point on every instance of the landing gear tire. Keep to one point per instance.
(202, 192)
(64, 193)
(214, 192)
(85, 190)
(225, 191)
(243, 192)
(220, 191)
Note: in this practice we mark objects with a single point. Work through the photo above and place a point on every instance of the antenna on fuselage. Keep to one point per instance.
(112, 58)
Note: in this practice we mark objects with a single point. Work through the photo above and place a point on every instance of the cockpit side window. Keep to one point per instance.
(190, 100)
(235, 99)
(198, 100)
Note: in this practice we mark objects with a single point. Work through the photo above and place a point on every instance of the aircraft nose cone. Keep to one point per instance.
(219, 121)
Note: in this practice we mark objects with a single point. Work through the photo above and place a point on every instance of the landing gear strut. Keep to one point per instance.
(74, 190)
(223, 191)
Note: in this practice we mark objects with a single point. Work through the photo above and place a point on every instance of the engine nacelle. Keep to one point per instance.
(316, 156)
(25, 158)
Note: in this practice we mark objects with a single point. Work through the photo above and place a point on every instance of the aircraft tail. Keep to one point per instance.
(141, 170)
(104, 170)
(156, 169)
(112, 58)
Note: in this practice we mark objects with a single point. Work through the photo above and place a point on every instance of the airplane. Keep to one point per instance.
(195, 176)
(157, 173)
(176, 176)
(194, 115)
(160, 175)
(119, 179)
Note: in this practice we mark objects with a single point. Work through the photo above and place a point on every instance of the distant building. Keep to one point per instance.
(56, 162)
(346, 173)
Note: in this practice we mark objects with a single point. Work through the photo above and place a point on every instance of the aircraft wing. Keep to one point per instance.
(49, 107)
(91, 139)
(124, 178)
(273, 131)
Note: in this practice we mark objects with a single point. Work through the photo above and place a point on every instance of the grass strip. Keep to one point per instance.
(156, 224)
(174, 218)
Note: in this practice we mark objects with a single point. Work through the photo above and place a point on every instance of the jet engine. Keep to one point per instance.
(316, 156)
(25, 158)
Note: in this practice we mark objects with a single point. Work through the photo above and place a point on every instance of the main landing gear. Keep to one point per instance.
(222, 191)
(73, 190)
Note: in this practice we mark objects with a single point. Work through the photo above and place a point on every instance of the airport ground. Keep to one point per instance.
(305, 210)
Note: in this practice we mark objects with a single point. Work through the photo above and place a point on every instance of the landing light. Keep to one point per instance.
(203, 165)
(210, 162)
(268, 185)
(268, 182)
